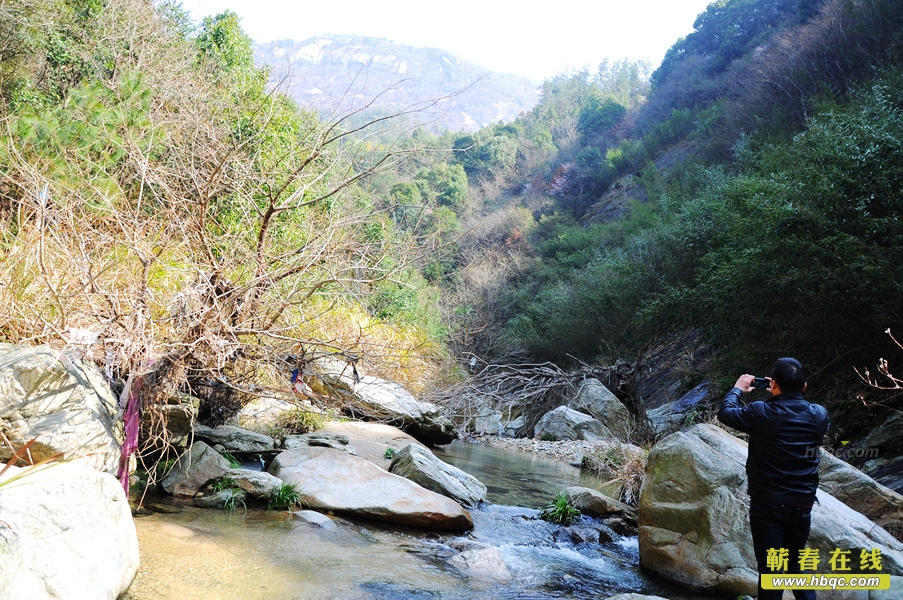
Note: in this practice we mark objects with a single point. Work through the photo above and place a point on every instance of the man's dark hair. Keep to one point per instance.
(789, 374)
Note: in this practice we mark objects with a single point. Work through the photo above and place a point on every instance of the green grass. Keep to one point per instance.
(283, 497)
(234, 463)
(560, 510)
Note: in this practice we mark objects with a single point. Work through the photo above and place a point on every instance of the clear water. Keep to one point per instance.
(255, 554)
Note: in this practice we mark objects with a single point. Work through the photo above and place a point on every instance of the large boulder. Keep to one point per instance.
(861, 493)
(332, 480)
(565, 423)
(381, 400)
(490, 421)
(693, 516)
(599, 402)
(421, 466)
(66, 531)
(63, 402)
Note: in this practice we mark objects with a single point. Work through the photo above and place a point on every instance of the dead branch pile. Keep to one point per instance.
(532, 390)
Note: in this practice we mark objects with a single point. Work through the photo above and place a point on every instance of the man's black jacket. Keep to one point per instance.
(785, 434)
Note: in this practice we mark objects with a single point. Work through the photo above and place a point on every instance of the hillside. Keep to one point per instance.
(344, 73)
(746, 196)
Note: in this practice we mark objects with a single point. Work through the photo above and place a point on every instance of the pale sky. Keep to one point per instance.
(536, 40)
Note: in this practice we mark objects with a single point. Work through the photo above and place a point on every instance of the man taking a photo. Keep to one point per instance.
(785, 434)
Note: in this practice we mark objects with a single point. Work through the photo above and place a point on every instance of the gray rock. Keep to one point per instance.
(370, 441)
(179, 418)
(234, 439)
(332, 480)
(66, 531)
(483, 564)
(565, 423)
(423, 467)
(315, 518)
(859, 491)
(266, 413)
(886, 437)
(195, 469)
(593, 503)
(338, 442)
(577, 534)
(693, 516)
(382, 400)
(256, 483)
(387, 401)
(634, 597)
(486, 421)
(673, 415)
(597, 401)
(63, 402)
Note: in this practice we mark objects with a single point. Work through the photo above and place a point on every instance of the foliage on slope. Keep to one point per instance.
(752, 194)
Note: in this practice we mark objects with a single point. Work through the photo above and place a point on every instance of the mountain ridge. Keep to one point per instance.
(342, 73)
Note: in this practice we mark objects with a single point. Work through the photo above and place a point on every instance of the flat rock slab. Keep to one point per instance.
(370, 440)
(332, 480)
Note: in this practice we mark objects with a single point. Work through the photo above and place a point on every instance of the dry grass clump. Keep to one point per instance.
(623, 464)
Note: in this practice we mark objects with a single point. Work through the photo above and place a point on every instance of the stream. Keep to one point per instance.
(254, 554)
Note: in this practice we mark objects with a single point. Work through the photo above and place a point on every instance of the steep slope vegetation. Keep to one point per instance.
(751, 193)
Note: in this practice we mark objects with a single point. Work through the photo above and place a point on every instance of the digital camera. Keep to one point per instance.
(761, 383)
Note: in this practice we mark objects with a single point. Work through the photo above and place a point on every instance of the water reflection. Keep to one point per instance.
(515, 478)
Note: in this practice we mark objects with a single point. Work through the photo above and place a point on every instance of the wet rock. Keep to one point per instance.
(423, 467)
(693, 516)
(332, 480)
(484, 564)
(578, 534)
(234, 439)
(220, 498)
(66, 531)
(634, 597)
(593, 503)
(195, 469)
(63, 401)
(315, 518)
(621, 526)
(565, 423)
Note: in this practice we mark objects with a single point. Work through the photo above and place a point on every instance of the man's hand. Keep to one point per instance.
(745, 383)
